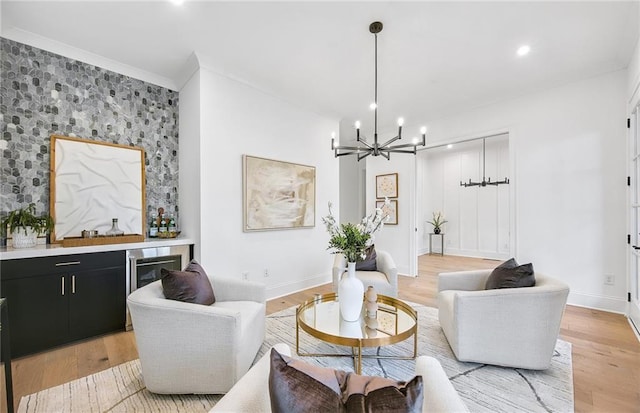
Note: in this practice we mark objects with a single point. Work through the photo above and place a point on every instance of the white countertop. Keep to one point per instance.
(10, 253)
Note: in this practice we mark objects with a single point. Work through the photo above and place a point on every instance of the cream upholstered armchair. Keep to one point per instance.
(511, 327)
(251, 394)
(192, 348)
(384, 280)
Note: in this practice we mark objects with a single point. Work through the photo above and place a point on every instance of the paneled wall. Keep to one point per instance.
(43, 93)
(478, 217)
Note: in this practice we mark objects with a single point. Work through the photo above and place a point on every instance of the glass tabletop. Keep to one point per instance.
(320, 317)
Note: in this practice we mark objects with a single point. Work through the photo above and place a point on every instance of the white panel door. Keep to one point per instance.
(634, 267)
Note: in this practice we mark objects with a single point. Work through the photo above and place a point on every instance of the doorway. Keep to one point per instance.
(479, 218)
(634, 205)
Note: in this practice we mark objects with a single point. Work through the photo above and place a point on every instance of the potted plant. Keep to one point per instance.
(437, 222)
(24, 226)
(352, 240)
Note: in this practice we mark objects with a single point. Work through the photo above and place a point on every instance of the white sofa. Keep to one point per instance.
(191, 348)
(251, 393)
(384, 280)
(511, 327)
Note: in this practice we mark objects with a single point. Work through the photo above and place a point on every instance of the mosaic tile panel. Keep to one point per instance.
(42, 93)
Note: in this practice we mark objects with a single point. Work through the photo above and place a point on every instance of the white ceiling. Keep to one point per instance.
(435, 58)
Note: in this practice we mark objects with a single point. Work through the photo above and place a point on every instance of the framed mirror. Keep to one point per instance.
(92, 183)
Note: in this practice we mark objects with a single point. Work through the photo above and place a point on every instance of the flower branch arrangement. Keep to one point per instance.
(437, 221)
(353, 239)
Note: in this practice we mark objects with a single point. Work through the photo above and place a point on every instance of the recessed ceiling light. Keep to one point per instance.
(523, 50)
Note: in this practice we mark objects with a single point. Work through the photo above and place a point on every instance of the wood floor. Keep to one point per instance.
(606, 353)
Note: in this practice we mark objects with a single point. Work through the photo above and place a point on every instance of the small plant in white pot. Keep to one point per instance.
(24, 226)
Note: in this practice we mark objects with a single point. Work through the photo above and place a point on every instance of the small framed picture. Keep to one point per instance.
(391, 209)
(387, 186)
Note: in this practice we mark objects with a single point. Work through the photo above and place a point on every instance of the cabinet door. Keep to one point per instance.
(38, 312)
(97, 301)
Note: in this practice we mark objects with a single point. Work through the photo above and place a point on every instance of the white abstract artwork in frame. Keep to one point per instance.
(277, 194)
(93, 182)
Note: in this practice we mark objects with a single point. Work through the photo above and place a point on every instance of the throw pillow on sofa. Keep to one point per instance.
(191, 285)
(296, 386)
(510, 274)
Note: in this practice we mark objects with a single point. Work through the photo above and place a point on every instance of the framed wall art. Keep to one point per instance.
(93, 182)
(391, 210)
(387, 186)
(277, 194)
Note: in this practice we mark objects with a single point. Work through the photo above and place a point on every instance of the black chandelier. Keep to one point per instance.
(485, 181)
(364, 148)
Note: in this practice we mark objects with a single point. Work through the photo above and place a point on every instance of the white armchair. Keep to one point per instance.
(189, 348)
(512, 327)
(385, 280)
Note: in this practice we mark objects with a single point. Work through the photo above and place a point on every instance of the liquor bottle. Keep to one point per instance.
(162, 229)
(114, 231)
(153, 226)
(172, 226)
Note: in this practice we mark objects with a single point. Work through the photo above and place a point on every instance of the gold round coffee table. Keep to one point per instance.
(320, 318)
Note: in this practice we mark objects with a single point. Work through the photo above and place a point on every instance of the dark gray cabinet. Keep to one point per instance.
(56, 300)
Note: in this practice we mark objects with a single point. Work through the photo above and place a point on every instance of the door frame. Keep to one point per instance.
(633, 203)
(511, 133)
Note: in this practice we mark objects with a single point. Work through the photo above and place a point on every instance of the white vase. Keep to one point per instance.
(20, 239)
(350, 294)
(352, 329)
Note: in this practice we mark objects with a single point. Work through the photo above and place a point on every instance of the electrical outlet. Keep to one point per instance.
(266, 272)
(609, 279)
(245, 275)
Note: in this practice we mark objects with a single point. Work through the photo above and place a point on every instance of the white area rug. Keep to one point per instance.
(484, 388)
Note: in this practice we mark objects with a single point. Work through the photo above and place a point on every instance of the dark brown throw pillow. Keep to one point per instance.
(510, 274)
(296, 386)
(191, 285)
(369, 262)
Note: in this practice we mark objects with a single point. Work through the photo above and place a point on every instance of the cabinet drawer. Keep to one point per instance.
(28, 267)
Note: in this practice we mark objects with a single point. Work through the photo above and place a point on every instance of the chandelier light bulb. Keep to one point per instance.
(414, 140)
(357, 124)
(423, 130)
(333, 135)
(523, 50)
(373, 105)
(449, 146)
(400, 121)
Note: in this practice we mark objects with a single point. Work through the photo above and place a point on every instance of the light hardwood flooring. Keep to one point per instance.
(606, 353)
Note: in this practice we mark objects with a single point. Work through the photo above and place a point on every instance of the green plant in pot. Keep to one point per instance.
(437, 222)
(24, 226)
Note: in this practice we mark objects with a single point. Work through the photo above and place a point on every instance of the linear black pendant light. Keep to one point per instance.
(485, 181)
(375, 149)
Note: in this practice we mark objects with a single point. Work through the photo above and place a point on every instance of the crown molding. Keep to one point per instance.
(63, 49)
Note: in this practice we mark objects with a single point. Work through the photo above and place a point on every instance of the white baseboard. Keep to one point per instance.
(282, 289)
(598, 302)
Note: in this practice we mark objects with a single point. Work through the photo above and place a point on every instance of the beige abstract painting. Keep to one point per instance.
(277, 194)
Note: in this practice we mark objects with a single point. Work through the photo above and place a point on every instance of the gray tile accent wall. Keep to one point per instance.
(42, 93)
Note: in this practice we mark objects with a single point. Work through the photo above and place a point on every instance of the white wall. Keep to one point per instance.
(569, 167)
(189, 161)
(351, 202)
(237, 119)
(396, 239)
(633, 77)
